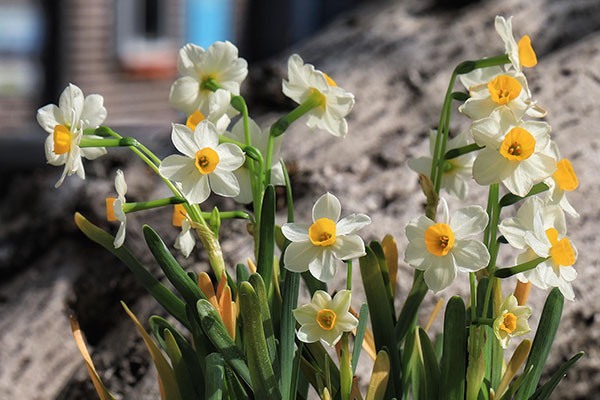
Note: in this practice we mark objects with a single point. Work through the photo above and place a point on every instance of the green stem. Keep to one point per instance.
(349, 275)
(473, 296)
(123, 142)
(492, 198)
(147, 205)
(210, 84)
(483, 321)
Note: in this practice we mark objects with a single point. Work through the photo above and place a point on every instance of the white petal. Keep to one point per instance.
(468, 221)
(443, 214)
(513, 231)
(421, 165)
(120, 238)
(306, 314)
(309, 333)
(178, 168)
(195, 188)
(486, 132)
(341, 302)
(295, 232)
(49, 116)
(93, 112)
(352, 224)
(206, 135)
(120, 183)
(346, 322)
(91, 153)
(185, 241)
(477, 109)
(441, 274)
(243, 177)
(231, 157)
(183, 139)
(321, 299)
(277, 176)
(455, 185)
(71, 103)
(416, 254)
(567, 290)
(224, 183)
(324, 267)
(190, 55)
(51, 157)
(470, 254)
(348, 247)
(328, 206)
(490, 167)
(415, 229)
(298, 255)
(185, 95)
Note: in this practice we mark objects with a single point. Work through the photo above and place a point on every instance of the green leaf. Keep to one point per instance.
(453, 153)
(509, 198)
(266, 245)
(235, 388)
(312, 283)
(263, 378)
(201, 343)
(291, 288)
(438, 347)
(173, 271)
(516, 385)
(432, 369)
(259, 287)
(182, 376)
(192, 363)
(542, 343)
(345, 368)
(379, 377)
(409, 311)
(293, 387)
(164, 296)
(454, 355)
(381, 314)
(215, 373)
(460, 96)
(242, 273)
(214, 328)
(526, 266)
(385, 274)
(363, 318)
(319, 362)
(544, 392)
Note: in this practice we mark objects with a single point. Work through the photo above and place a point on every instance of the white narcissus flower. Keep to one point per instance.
(304, 81)
(440, 248)
(185, 241)
(316, 247)
(511, 320)
(219, 111)
(516, 152)
(562, 181)
(205, 165)
(196, 65)
(114, 208)
(259, 139)
(324, 318)
(65, 123)
(456, 172)
(508, 89)
(520, 54)
(540, 230)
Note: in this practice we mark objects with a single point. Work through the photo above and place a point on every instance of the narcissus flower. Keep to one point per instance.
(456, 172)
(541, 230)
(325, 318)
(114, 208)
(197, 67)
(316, 247)
(516, 152)
(335, 103)
(205, 165)
(520, 54)
(562, 181)
(65, 124)
(186, 240)
(258, 139)
(511, 320)
(508, 89)
(440, 248)
(219, 111)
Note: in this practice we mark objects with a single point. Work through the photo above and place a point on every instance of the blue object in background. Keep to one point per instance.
(207, 21)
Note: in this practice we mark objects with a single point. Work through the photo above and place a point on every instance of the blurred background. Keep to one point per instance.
(395, 56)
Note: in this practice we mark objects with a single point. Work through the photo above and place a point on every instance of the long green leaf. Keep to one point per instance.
(363, 318)
(385, 273)
(263, 378)
(291, 288)
(190, 357)
(381, 315)
(214, 328)
(542, 343)
(454, 354)
(312, 283)
(215, 373)
(182, 375)
(261, 291)
(544, 392)
(432, 369)
(235, 388)
(295, 373)
(173, 271)
(164, 296)
(408, 314)
(266, 245)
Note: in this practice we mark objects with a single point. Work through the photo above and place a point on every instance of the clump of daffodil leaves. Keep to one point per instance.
(241, 332)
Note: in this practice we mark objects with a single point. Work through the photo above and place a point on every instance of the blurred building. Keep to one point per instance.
(126, 50)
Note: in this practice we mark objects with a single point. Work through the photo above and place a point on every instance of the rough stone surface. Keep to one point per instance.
(396, 59)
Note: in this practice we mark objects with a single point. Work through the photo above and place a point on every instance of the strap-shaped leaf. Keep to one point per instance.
(215, 374)
(216, 332)
(263, 378)
(379, 377)
(542, 343)
(385, 274)
(261, 291)
(390, 249)
(408, 314)
(182, 375)
(291, 288)
(266, 244)
(173, 271)
(432, 369)
(164, 296)
(312, 283)
(517, 359)
(454, 354)
(363, 318)
(545, 391)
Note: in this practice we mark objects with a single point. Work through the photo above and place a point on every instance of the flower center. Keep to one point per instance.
(194, 120)
(562, 252)
(322, 232)
(518, 145)
(206, 160)
(110, 209)
(509, 324)
(439, 239)
(318, 97)
(62, 139)
(526, 54)
(330, 81)
(504, 88)
(208, 82)
(179, 214)
(565, 176)
(326, 319)
(448, 167)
